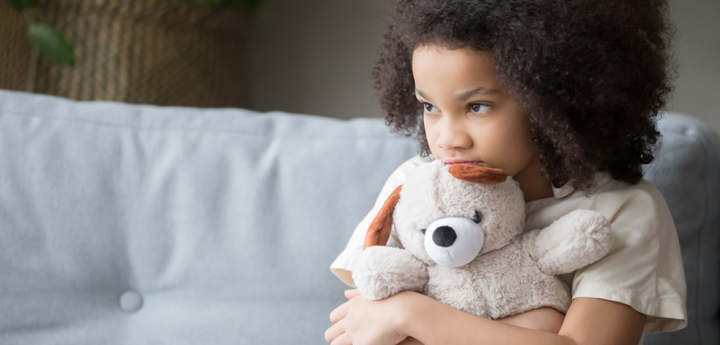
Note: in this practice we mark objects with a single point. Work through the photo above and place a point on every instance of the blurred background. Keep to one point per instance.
(309, 56)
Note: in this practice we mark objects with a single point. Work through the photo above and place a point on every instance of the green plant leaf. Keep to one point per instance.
(23, 4)
(52, 44)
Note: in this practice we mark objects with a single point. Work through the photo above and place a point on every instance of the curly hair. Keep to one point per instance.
(592, 75)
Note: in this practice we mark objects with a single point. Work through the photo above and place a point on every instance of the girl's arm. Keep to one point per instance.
(543, 319)
(589, 321)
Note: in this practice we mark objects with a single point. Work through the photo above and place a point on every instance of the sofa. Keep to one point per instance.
(138, 224)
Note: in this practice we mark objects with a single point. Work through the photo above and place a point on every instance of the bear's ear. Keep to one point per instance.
(378, 233)
(476, 174)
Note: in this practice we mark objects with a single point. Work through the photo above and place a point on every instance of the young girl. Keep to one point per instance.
(563, 97)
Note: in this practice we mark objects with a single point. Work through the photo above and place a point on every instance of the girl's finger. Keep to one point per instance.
(343, 339)
(339, 312)
(334, 332)
(349, 294)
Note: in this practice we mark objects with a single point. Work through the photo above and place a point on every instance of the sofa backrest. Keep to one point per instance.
(687, 173)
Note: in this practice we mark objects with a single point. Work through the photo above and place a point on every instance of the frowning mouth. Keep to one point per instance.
(453, 161)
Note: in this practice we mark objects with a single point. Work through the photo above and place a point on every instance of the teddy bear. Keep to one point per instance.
(461, 230)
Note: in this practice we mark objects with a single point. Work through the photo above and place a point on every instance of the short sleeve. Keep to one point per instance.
(342, 266)
(644, 268)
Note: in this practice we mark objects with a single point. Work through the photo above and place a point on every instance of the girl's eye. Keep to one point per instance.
(429, 108)
(479, 108)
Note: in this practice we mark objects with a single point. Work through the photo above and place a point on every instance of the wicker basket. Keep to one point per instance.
(164, 52)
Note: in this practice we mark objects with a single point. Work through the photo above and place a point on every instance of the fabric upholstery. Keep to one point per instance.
(687, 172)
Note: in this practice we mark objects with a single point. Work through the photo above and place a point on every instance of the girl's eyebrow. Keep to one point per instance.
(419, 93)
(465, 95)
(481, 90)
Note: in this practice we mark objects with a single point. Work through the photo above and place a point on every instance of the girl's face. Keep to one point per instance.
(468, 118)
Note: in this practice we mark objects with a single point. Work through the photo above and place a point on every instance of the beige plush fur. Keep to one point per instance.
(511, 273)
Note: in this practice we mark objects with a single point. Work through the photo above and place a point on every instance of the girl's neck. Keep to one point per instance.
(533, 183)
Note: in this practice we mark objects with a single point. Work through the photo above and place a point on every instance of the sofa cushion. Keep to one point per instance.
(125, 224)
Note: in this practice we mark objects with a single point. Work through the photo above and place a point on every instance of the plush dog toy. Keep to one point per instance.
(461, 229)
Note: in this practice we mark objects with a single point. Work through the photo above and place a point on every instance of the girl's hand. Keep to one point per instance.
(349, 294)
(359, 321)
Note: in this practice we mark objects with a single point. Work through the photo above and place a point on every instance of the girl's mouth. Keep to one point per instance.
(452, 161)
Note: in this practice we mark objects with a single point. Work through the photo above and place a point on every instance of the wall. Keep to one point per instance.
(315, 57)
(697, 89)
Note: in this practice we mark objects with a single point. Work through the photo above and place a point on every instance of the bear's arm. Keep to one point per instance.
(573, 241)
(380, 272)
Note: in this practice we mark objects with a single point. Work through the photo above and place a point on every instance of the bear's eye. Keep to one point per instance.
(423, 231)
(477, 218)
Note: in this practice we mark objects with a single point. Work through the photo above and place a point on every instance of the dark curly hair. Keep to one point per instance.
(592, 75)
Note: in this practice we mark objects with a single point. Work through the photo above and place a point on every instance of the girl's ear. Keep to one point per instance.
(476, 174)
(378, 233)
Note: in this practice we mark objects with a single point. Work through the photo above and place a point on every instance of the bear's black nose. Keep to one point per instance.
(444, 236)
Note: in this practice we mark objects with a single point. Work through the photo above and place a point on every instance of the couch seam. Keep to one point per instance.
(198, 130)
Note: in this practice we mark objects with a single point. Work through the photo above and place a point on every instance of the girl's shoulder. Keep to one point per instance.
(608, 196)
(644, 268)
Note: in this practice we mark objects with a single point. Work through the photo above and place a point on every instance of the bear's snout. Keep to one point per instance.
(444, 236)
(454, 241)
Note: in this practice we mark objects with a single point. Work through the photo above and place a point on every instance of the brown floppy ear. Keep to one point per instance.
(476, 174)
(378, 233)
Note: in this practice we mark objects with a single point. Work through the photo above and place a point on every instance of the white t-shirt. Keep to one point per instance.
(644, 268)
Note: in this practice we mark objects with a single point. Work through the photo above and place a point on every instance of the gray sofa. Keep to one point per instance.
(127, 224)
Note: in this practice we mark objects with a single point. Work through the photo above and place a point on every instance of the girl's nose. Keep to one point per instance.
(454, 136)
